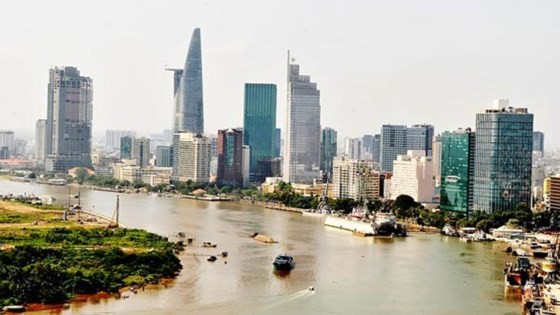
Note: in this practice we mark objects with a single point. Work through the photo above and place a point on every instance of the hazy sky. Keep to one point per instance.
(375, 62)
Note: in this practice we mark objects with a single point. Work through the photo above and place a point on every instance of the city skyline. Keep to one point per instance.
(422, 65)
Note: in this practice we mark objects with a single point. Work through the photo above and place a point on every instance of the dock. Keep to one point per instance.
(284, 208)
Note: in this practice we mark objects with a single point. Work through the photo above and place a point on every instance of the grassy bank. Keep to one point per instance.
(44, 259)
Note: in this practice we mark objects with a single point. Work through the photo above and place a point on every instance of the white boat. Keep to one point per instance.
(349, 224)
(313, 213)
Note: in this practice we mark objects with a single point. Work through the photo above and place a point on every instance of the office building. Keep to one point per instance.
(538, 143)
(413, 175)
(353, 148)
(7, 140)
(40, 139)
(354, 179)
(303, 128)
(113, 138)
(230, 157)
(20, 147)
(436, 159)
(278, 142)
(554, 193)
(69, 116)
(503, 158)
(126, 148)
(164, 156)
(367, 147)
(393, 142)
(187, 90)
(457, 170)
(328, 152)
(191, 157)
(259, 125)
(376, 149)
(141, 151)
(420, 137)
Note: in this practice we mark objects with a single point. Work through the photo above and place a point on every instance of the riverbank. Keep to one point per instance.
(49, 260)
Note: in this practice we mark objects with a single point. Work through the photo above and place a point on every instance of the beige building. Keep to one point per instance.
(151, 175)
(191, 157)
(413, 175)
(554, 194)
(354, 179)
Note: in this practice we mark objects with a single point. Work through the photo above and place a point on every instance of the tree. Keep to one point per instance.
(404, 202)
(81, 175)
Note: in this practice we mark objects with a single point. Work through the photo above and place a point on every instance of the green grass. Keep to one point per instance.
(8, 216)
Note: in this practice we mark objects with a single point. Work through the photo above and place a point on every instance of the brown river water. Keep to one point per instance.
(420, 274)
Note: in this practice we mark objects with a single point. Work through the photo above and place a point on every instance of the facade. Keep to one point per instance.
(303, 128)
(538, 143)
(20, 147)
(164, 156)
(353, 148)
(554, 193)
(354, 179)
(40, 139)
(367, 147)
(278, 142)
(141, 151)
(230, 157)
(7, 140)
(436, 158)
(393, 141)
(413, 175)
(328, 152)
(457, 170)
(126, 147)
(191, 157)
(187, 90)
(246, 154)
(420, 137)
(69, 116)
(151, 175)
(113, 138)
(376, 149)
(259, 125)
(503, 158)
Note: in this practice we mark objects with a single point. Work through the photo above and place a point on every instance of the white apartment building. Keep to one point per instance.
(191, 157)
(413, 175)
(151, 175)
(354, 179)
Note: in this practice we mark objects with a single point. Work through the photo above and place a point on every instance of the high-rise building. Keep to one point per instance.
(413, 175)
(353, 148)
(20, 147)
(436, 159)
(69, 116)
(259, 125)
(141, 151)
(113, 138)
(230, 157)
(40, 138)
(503, 158)
(376, 149)
(187, 90)
(538, 143)
(354, 179)
(457, 170)
(126, 147)
(328, 152)
(303, 128)
(164, 156)
(7, 140)
(420, 137)
(191, 157)
(554, 193)
(393, 142)
(367, 147)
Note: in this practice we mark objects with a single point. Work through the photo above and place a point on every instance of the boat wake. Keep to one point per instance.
(281, 300)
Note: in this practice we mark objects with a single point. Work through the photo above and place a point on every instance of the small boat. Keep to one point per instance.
(517, 274)
(14, 308)
(284, 262)
(208, 244)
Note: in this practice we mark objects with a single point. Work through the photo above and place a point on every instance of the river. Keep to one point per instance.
(420, 274)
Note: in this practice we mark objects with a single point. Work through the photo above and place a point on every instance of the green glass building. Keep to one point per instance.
(259, 125)
(126, 147)
(457, 170)
(328, 151)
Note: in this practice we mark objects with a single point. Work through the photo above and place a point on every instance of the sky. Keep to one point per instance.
(375, 62)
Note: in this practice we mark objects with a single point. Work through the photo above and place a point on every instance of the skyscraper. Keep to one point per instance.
(187, 90)
(259, 125)
(538, 142)
(191, 157)
(113, 138)
(353, 148)
(277, 142)
(436, 158)
(69, 116)
(503, 158)
(376, 149)
(303, 128)
(141, 151)
(40, 139)
(392, 143)
(164, 156)
(367, 147)
(7, 140)
(420, 137)
(230, 157)
(328, 151)
(126, 147)
(457, 170)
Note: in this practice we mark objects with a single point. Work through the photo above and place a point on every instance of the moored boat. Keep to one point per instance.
(283, 262)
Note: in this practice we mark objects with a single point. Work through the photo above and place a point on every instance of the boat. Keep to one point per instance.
(385, 224)
(284, 262)
(449, 231)
(517, 274)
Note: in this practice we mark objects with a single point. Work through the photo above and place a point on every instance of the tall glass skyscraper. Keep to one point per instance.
(187, 90)
(328, 151)
(259, 124)
(69, 116)
(392, 143)
(420, 137)
(503, 159)
(538, 142)
(303, 128)
(457, 170)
